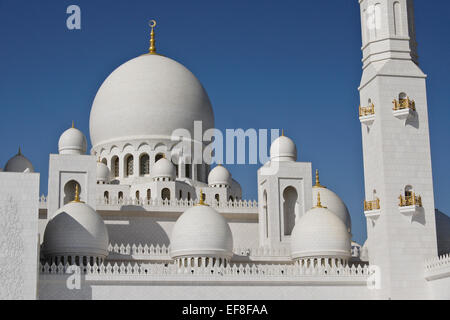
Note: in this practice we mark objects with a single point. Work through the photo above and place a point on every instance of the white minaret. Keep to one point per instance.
(396, 146)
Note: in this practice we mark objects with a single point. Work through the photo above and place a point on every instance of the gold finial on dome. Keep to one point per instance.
(318, 185)
(77, 194)
(319, 204)
(202, 202)
(282, 132)
(73, 124)
(152, 49)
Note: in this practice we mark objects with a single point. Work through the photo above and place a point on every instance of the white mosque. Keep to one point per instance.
(137, 219)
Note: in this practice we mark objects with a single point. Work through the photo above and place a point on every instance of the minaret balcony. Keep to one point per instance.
(409, 205)
(403, 108)
(372, 209)
(367, 114)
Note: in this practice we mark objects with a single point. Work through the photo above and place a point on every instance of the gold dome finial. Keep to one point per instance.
(201, 202)
(318, 185)
(73, 124)
(152, 24)
(282, 132)
(319, 204)
(77, 194)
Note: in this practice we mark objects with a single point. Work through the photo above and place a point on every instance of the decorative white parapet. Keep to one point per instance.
(438, 267)
(146, 252)
(146, 272)
(176, 205)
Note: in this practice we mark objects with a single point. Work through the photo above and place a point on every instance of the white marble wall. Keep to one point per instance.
(19, 208)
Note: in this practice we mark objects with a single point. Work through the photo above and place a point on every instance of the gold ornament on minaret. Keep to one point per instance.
(152, 49)
(318, 185)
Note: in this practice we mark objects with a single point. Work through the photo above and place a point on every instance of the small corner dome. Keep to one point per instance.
(219, 175)
(163, 168)
(319, 233)
(201, 231)
(283, 149)
(334, 203)
(19, 163)
(72, 141)
(102, 172)
(76, 229)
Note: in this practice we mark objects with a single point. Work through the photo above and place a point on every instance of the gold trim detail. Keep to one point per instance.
(318, 185)
(404, 104)
(366, 111)
(412, 200)
(372, 205)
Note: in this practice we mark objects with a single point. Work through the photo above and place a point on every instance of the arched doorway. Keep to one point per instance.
(290, 201)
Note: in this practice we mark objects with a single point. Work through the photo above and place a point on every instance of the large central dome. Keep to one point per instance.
(148, 98)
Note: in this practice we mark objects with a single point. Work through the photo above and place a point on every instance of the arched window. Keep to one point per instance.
(176, 168)
(115, 166)
(149, 194)
(129, 166)
(106, 195)
(180, 195)
(165, 194)
(397, 18)
(69, 191)
(408, 191)
(144, 165)
(290, 201)
(189, 196)
(159, 156)
(137, 195)
(105, 162)
(217, 197)
(188, 169)
(120, 195)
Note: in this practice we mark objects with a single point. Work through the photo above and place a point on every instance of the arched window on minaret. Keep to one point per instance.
(149, 194)
(188, 169)
(217, 197)
(290, 197)
(106, 195)
(397, 18)
(137, 195)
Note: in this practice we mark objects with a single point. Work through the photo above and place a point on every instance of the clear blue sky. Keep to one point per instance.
(265, 64)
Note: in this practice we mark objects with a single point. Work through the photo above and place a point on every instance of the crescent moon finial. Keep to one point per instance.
(152, 24)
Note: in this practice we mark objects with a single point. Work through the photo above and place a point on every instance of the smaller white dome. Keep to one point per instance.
(76, 229)
(319, 233)
(19, 163)
(163, 168)
(103, 173)
(283, 149)
(72, 141)
(201, 232)
(219, 175)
